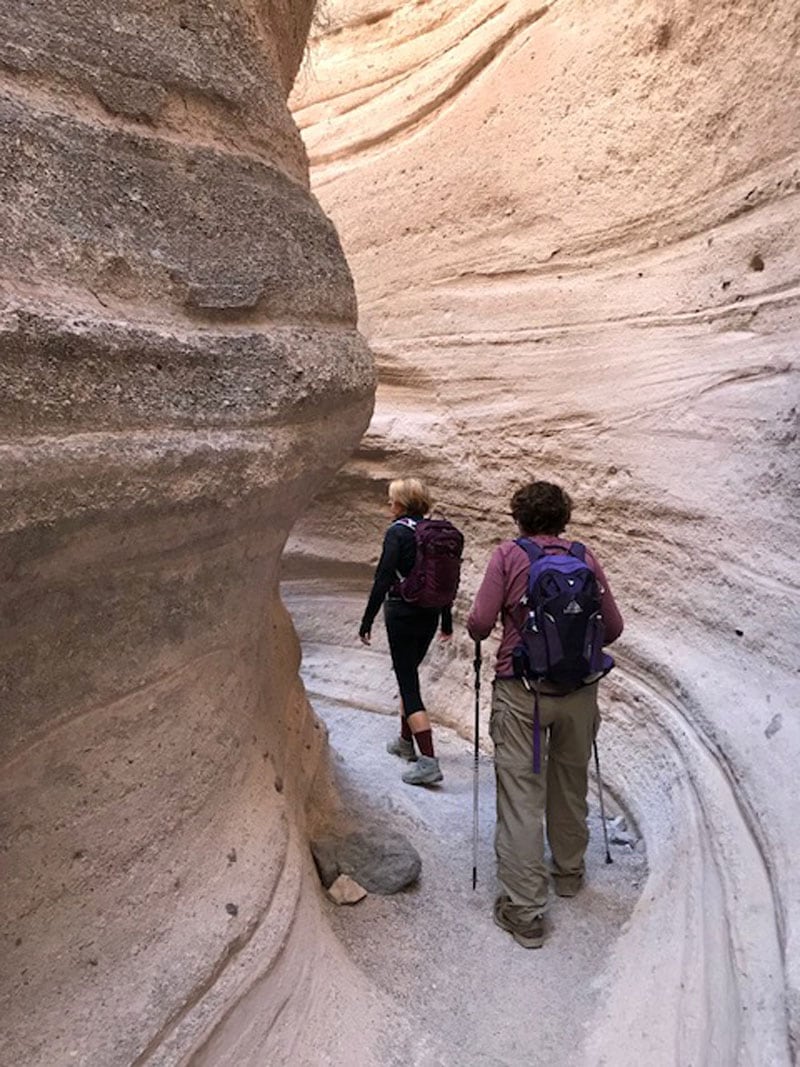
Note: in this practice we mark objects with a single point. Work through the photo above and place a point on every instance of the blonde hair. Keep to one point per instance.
(413, 494)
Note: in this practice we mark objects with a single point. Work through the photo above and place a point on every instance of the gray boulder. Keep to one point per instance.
(381, 862)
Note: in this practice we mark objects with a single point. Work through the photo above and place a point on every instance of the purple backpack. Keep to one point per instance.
(561, 639)
(432, 581)
(563, 632)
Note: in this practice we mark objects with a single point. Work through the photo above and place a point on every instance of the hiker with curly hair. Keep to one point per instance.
(410, 628)
(566, 713)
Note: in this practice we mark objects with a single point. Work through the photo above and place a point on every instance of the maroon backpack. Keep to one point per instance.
(433, 580)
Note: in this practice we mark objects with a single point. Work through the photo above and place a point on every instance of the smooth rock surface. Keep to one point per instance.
(574, 233)
(180, 372)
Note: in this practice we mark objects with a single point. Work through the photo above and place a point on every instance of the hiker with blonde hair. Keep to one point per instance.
(415, 581)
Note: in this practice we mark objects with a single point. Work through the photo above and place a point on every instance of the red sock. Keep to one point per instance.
(424, 741)
(405, 729)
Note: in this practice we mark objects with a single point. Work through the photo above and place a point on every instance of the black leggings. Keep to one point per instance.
(410, 631)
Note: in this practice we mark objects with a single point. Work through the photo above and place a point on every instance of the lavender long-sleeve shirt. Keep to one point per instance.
(503, 587)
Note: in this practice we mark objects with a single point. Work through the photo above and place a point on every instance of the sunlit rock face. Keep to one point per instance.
(180, 372)
(574, 232)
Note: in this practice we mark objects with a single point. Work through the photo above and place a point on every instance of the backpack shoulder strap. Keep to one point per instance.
(411, 524)
(533, 550)
(578, 550)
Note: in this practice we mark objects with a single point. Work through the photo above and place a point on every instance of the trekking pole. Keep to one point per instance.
(477, 665)
(602, 806)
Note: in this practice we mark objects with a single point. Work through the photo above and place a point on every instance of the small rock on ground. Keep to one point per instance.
(346, 891)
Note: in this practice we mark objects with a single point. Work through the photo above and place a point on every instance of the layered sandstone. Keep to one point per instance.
(574, 233)
(180, 373)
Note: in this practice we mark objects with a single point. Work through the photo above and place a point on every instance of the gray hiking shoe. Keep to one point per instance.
(528, 931)
(402, 748)
(424, 772)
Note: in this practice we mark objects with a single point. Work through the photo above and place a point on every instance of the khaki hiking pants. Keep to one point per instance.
(558, 794)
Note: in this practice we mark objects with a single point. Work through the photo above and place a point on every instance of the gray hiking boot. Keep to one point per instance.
(402, 748)
(424, 772)
(526, 930)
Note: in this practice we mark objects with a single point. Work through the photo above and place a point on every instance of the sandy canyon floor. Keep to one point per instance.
(470, 994)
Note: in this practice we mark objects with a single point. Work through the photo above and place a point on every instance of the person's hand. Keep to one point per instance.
(444, 637)
(365, 639)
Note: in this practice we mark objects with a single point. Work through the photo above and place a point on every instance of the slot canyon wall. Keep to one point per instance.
(180, 373)
(574, 230)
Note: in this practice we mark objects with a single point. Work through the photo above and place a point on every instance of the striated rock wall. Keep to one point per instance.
(574, 233)
(179, 373)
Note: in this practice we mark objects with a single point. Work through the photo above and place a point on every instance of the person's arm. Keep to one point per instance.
(612, 616)
(385, 577)
(489, 600)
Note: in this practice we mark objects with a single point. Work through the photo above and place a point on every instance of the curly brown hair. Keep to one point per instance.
(541, 508)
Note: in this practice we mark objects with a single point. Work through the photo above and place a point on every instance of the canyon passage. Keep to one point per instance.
(257, 261)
